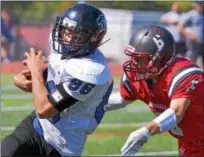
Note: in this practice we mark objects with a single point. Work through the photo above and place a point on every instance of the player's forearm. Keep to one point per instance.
(41, 102)
(116, 102)
(169, 118)
(153, 128)
(164, 122)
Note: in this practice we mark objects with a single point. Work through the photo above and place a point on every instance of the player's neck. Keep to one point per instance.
(152, 82)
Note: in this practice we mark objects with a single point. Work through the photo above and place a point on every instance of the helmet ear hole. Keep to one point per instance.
(146, 33)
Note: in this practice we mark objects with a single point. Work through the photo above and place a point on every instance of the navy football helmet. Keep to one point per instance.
(79, 30)
(151, 50)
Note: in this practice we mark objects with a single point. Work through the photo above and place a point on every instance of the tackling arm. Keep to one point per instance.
(120, 99)
(167, 120)
(116, 102)
(170, 117)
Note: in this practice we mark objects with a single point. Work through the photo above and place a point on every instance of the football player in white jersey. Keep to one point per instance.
(69, 102)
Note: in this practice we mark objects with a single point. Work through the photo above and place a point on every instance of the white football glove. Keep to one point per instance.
(135, 141)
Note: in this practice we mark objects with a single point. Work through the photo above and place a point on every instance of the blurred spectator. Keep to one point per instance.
(191, 26)
(8, 37)
(171, 19)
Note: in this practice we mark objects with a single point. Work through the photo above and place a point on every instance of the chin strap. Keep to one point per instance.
(166, 65)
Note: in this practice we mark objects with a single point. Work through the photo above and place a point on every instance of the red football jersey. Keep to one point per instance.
(182, 79)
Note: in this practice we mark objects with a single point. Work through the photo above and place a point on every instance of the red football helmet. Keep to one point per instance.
(151, 50)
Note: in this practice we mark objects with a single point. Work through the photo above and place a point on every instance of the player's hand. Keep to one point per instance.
(23, 80)
(135, 141)
(35, 61)
(45, 59)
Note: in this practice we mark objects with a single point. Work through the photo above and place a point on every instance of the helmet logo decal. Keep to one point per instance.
(101, 22)
(159, 42)
(69, 23)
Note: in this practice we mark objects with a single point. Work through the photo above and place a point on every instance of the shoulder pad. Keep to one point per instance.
(88, 70)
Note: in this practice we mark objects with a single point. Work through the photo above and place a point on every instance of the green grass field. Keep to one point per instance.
(108, 138)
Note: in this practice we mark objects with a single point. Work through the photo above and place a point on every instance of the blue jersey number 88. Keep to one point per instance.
(75, 84)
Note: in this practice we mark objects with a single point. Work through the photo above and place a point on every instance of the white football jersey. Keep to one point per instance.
(87, 79)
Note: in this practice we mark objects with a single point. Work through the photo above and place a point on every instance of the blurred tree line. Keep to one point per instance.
(142, 5)
(44, 11)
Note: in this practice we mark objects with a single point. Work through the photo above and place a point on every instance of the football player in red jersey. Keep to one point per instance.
(172, 87)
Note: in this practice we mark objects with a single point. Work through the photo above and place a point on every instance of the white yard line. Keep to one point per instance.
(119, 125)
(29, 107)
(148, 153)
(7, 128)
(157, 153)
(9, 87)
(137, 108)
(104, 125)
(18, 108)
(16, 96)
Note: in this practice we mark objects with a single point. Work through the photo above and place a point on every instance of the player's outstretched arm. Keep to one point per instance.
(116, 102)
(23, 81)
(164, 122)
(170, 117)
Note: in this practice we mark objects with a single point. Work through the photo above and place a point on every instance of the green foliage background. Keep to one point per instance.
(35, 10)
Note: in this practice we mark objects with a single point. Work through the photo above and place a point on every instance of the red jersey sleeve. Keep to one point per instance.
(182, 77)
(191, 88)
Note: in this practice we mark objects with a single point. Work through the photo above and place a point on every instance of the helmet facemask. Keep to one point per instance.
(70, 40)
(143, 66)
